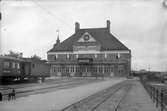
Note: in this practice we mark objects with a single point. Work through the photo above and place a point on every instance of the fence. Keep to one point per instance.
(158, 94)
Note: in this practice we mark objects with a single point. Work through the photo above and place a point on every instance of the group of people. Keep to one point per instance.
(11, 95)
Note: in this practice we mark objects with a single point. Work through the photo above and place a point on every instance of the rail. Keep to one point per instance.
(92, 102)
(60, 85)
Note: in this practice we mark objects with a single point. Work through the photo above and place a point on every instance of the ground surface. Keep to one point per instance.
(105, 100)
(47, 86)
(54, 101)
(137, 100)
(128, 96)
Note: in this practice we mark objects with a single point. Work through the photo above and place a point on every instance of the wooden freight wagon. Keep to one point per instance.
(36, 68)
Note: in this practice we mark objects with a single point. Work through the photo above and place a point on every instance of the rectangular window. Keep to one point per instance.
(71, 56)
(71, 69)
(58, 69)
(95, 69)
(100, 69)
(95, 55)
(54, 69)
(33, 65)
(105, 55)
(6, 64)
(117, 56)
(67, 56)
(13, 65)
(76, 55)
(18, 66)
(68, 69)
(110, 56)
(105, 69)
(77, 69)
(111, 69)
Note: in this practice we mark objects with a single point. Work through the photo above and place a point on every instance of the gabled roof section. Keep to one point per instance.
(86, 37)
(102, 35)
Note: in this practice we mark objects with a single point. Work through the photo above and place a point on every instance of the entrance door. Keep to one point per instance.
(121, 70)
(85, 70)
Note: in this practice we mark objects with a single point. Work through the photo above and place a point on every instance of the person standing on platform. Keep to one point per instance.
(1, 96)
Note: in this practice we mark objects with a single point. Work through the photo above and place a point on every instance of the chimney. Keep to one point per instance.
(77, 26)
(108, 25)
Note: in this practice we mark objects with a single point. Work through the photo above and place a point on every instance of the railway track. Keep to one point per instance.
(18, 86)
(48, 88)
(105, 100)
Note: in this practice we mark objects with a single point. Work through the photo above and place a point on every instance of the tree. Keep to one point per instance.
(36, 57)
(14, 54)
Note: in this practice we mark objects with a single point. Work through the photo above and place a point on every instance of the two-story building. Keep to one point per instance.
(90, 52)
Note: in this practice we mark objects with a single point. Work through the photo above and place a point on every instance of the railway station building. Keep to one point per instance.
(90, 52)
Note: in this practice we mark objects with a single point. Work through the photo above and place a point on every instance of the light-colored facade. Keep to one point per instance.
(90, 52)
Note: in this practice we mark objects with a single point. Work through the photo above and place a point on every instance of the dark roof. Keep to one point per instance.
(102, 35)
(34, 60)
(11, 58)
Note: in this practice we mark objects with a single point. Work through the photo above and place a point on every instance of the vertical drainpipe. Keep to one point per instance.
(129, 64)
(0, 25)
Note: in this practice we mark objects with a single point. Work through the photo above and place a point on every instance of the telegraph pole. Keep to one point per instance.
(149, 68)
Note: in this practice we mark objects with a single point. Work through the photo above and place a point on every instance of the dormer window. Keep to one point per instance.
(86, 37)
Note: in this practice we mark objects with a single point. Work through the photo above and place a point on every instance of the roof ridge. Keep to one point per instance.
(102, 35)
(93, 28)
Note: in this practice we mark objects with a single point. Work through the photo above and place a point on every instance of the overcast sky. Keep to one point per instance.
(30, 26)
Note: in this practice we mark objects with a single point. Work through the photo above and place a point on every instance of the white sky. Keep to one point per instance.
(29, 26)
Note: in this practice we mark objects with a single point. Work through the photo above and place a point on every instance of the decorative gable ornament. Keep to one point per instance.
(86, 37)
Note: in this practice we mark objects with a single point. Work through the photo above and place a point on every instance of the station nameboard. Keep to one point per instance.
(86, 48)
(85, 60)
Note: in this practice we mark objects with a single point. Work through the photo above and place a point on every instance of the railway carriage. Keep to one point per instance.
(10, 68)
(13, 68)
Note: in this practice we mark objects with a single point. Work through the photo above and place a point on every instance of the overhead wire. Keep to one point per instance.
(54, 16)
